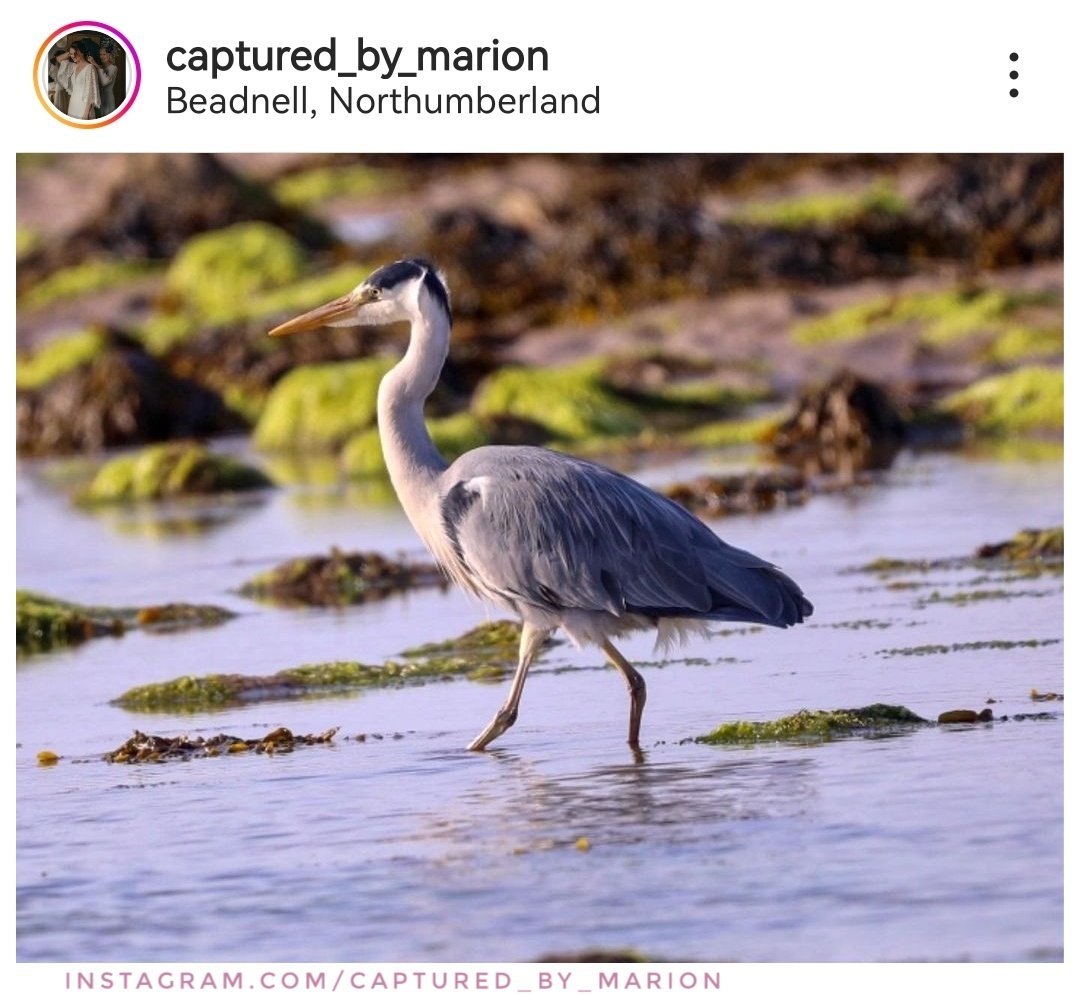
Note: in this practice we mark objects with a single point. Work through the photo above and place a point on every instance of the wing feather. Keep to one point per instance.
(557, 532)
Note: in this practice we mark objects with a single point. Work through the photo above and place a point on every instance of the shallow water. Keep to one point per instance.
(942, 843)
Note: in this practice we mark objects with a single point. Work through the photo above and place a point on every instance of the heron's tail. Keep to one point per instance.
(747, 589)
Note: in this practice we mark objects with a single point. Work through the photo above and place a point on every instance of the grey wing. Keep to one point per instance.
(541, 528)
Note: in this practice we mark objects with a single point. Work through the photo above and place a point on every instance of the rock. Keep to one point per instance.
(741, 493)
(43, 623)
(149, 205)
(997, 209)
(170, 470)
(321, 406)
(339, 579)
(1027, 545)
(960, 715)
(817, 726)
(849, 424)
(114, 394)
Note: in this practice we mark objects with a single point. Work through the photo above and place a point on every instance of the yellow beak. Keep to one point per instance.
(323, 315)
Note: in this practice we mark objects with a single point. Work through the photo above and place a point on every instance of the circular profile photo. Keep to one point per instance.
(87, 74)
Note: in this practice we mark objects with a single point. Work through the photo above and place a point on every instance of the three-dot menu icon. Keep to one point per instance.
(1013, 57)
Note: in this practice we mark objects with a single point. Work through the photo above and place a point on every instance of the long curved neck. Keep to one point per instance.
(411, 458)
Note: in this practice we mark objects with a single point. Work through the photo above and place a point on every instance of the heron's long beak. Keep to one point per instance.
(326, 314)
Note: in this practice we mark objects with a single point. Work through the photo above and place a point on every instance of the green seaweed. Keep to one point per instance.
(943, 316)
(338, 579)
(732, 432)
(491, 640)
(572, 403)
(479, 654)
(215, 273)
(310, 186)
(27, 239)
(172, 469)
(90, 277)
(1022, 342)
(1029, 399)
(1028, 545)
(817, 726)
(933, 649)
(57, 357)
(166, 329)
(823, 209)
(321, 406)
(43, 623)
(963, 598)
(453, 436)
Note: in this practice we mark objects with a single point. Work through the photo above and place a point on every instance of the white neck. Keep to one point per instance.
(411, 458)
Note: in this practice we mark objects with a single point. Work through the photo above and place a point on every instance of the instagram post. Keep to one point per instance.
(539, 500)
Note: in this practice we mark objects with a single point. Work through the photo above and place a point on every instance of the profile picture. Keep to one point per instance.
(87, 74)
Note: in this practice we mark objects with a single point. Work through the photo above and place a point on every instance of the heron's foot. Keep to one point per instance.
(504, 719)
(636, 686)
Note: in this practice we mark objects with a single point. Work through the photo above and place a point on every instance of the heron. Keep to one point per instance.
(556, 540)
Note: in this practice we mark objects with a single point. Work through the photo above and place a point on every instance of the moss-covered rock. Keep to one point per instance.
(311, 186)
(175, 469)
(168, 329)
(321, 406)
(57, 357)
(480, 654)
(453, 436)
(1028, 545)
(43, 623)
(215, 273)
(740, 493)
(824, 209)
(941, 316)
(1030, 399)
(492, 642)
(92, 276)
(572, 403)
(731, 432)
(339, 579)
(817, 726)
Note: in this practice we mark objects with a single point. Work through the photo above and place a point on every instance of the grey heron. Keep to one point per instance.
(558, 541)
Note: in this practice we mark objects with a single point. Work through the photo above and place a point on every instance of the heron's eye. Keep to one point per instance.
(375, 293)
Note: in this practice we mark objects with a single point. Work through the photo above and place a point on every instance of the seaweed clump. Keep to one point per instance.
(741, 493)
(338, 579)
(144, 748)
(848, 424)
(169, 470)
(817, 726)
(491, 642)
(483, 653)
(43, 623)
(1039, 545)
(1030, 399)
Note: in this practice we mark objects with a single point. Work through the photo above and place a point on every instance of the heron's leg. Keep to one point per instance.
(635, 684)
(532, 638)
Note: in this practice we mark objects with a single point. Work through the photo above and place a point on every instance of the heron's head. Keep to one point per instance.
(401, 291)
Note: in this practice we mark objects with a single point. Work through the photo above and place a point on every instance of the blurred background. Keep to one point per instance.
(672, 293)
